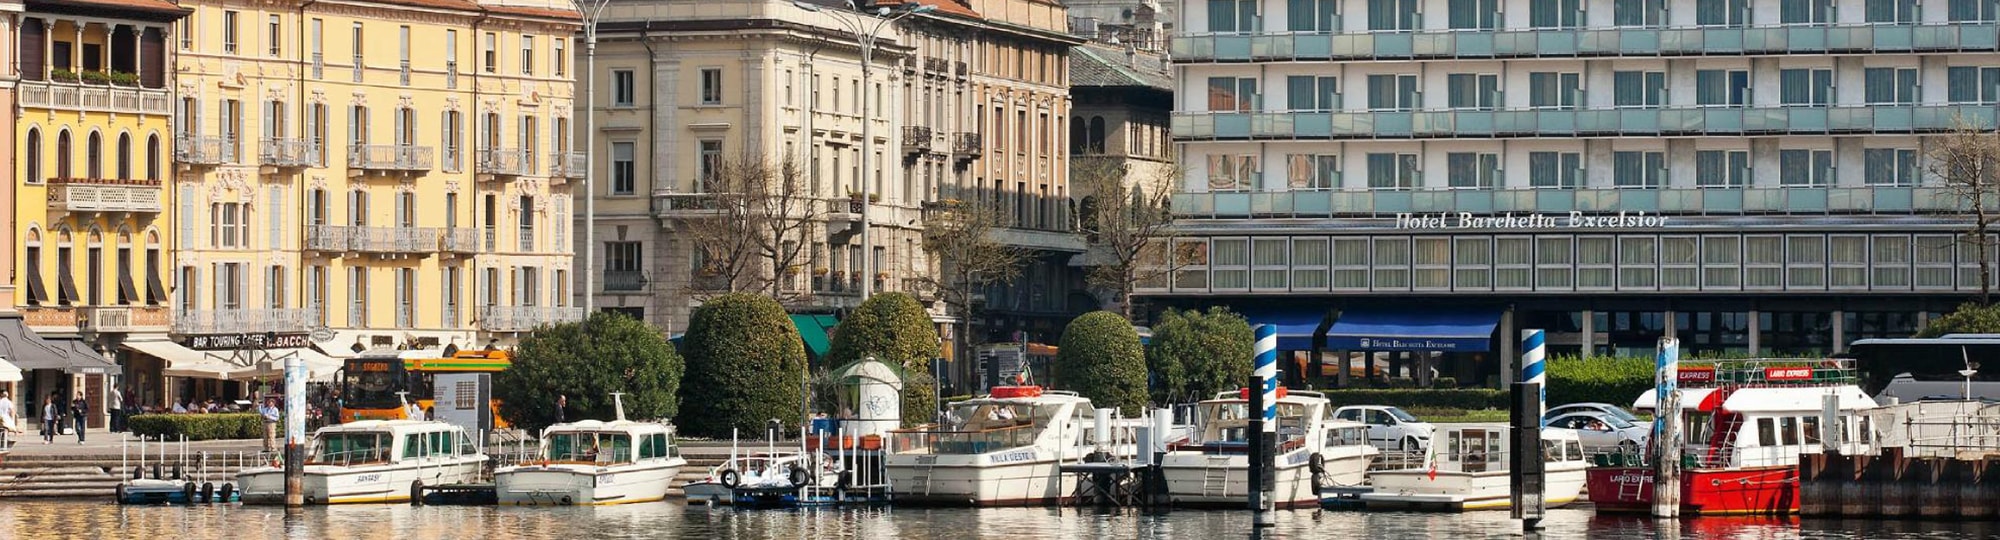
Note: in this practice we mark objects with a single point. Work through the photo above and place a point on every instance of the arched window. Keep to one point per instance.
(34, 157)
(62, 154)
(1077, 136)
(124, 156)
(95, 149)
(37, 293)
(153, 157)
(1097, 134)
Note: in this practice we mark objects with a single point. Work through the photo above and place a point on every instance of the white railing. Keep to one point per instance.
(288, 152)
(568, 165)
(523, 318)
(373, 239)
(504, 162)
(460, 240)
(104, 195)
(195, 150)
(224, 321)
(393, 157)
(87, 97)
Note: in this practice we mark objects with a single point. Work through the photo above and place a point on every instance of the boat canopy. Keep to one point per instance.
(1795, 400)
(1691, 398)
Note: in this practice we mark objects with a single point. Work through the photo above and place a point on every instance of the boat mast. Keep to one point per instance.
(618, 404)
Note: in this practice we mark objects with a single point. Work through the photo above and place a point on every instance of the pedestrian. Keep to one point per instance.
(270, 412)
(132, 409)
(562, 402)
(50, 421)
(6, 419)
(79, 410)
(117, 405)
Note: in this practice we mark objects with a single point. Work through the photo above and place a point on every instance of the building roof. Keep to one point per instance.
(1097, 65)
(528, 11)
(160, 7)
(953, 7)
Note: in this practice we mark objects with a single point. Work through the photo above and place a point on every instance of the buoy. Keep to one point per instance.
(1318, 463)
(177, 471)
(138, 472)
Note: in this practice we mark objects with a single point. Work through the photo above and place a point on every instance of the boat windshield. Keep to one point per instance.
(979, 428)
(1227, 421)
(589, 447)
(988, 416)
(348, 448)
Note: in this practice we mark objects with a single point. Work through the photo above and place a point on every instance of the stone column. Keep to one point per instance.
(1589, 323)
(1756, 339)
(1507, 339)
(1839, 331)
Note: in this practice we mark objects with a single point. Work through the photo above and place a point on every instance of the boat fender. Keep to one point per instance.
(187, 491)
(1097, 457)
(207, 492)
(416, 493)
(156, 472)
(799, 477)
(846, 479)
(227, 490)
(138, 472)
(121, 495)
(177, 471)
(1318, 463)
(730, 478)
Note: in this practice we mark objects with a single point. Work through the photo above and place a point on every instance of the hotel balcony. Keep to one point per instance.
(1588, 42)
(125, 319)
(1674, 201)
(78, 195)
(376, 240)
(230, 321)
(390, 158)
(503, 164)
(525, 318)
(204, 150)
(567, 165)
(1627, 122)
(75, 96)
(288, 153)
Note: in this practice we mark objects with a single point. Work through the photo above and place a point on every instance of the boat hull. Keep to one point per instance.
(1419, 489)
(584, 485)
(1708, 492)
(356, 485)
(1032, 483)
(1195, 479)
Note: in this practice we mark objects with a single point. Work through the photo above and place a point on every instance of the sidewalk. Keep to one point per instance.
(98, 442)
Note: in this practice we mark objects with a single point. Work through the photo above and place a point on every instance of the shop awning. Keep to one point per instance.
(816, 331)
(1447, 330)
(319, 367)
(9, 373)
(185, 362)
(1295, 326)
(27, 351)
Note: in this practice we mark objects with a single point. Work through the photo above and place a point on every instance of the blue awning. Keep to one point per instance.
(1295, 326)
(1455, 330)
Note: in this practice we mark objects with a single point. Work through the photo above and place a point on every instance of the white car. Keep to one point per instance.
(1601, 430)
(1605, 408)
(1389, 427)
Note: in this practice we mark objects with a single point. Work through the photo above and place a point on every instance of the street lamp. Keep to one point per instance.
(864, 36)
(590, 13)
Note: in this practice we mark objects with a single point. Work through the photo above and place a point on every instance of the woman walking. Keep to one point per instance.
(49, 419)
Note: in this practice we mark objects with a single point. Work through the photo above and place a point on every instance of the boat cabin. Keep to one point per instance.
(1223, 423)
(1012, 417)
(1485, 449)
(1766, 412)
(387, 441)
(592, 442)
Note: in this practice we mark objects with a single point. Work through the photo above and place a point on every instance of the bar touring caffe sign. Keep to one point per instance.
(247, 340)
(1510, 220)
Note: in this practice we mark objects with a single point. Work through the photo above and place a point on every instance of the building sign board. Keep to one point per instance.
(1510, 220)
(1788, 373)
(249, 340)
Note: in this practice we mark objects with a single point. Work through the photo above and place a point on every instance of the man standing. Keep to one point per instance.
(117, 406)
(270, 412)
(79, 410)
(562, 402)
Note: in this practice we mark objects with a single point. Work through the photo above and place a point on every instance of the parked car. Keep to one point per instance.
(1603, 430)
(1389, 427)
(1605, 408)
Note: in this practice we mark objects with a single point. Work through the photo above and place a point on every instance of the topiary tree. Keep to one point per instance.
(745, 365)
(1194, 354)
(1969, 318)
(893, 328)
(587, 361)
(1100, 358)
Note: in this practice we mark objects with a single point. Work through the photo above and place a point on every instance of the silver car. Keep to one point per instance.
(1389, 428)
(1600, 430)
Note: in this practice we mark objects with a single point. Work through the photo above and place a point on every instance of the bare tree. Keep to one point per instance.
(750, 228)
(1124, 219)
(1968, 161)
(960, 237)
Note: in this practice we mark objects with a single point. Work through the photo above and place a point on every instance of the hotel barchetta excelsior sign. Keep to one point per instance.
(1510, 220)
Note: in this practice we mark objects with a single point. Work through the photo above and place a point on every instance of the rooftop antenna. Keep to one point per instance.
(618, 404)
(1971, 368)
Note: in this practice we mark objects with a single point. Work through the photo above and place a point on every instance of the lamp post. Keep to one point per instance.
(864, 36)
(590, 13)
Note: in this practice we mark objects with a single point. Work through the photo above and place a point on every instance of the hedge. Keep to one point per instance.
(586, 361)
(199, 427)
(1100, 358)
(1194, 354)
(1614, 380)
(1466, 398)
(745, 364)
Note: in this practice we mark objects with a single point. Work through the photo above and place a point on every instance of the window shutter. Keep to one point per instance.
(402, 209)
(479, 286)
(516, 274)
(271, 289)
(215, 291)
(187, 216)
(274, 236)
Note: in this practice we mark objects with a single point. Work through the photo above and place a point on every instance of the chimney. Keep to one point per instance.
(1131, 56)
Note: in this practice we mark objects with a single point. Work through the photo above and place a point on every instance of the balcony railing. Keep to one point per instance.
(350, 239)
(624, 280)
(460, 240)
(96, 98)
(503, 162)
(104, 195)
(1673, 201)
(204, 150)
(917, 140)
(288, 152)
(123, 318)
(672, 205)
(524, 318)
(1705, 121)
(568, 165)
(966, 145)
(1539, 42)
(230, 321)
(390, 157)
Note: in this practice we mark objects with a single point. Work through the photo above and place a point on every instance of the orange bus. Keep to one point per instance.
(370, 384)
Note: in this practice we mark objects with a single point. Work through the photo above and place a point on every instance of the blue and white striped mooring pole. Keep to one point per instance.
(1534, 351)
(1267, 374)
(1264, 426)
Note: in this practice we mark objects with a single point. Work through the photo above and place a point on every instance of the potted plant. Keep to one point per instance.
(819, 271)
(122, 78)
(879, 276)
(874, 197)
(62, 75)
(96, 77)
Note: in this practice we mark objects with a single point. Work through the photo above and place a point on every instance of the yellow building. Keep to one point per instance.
(395, 174)
(91, 144)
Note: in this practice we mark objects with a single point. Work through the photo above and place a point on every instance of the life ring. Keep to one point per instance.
(799, 477)
(730, 478)
(1317, 462)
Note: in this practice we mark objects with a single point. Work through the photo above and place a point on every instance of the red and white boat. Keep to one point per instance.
(1746, 423)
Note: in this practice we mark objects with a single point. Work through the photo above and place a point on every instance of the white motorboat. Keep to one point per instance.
(1214, 469)
(595, 463)
(372, 461)
(1004, 449)
(1467, 470)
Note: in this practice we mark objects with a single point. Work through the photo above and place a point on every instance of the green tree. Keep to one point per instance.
(745, 366)
(1196, 354)
(587, 361)
(1100, 358)
(893, 328)
(1969, 318)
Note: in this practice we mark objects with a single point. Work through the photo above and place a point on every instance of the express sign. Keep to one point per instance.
(1788, 374)
(1697, 375)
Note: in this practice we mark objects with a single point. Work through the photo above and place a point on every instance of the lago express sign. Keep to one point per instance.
(1510, 220)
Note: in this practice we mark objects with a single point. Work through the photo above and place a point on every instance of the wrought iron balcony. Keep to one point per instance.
(77, 195)
(566, 165)
(670, 205)
(391, 157)
(624, 280)
(503, 163)
(460, 240)
(917, 140)
(226, 321)
(966, 145)
(525, 318)
(381, 240)
(204, 150)
(288, 152)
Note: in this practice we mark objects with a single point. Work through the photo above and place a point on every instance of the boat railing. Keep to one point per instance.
(350, 458)
(1768, 372)
(962, 442)
(1702, 456)
(1954, 436)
